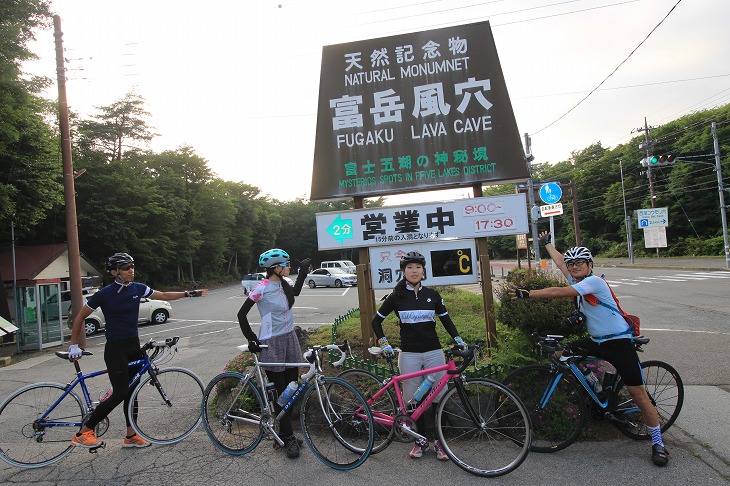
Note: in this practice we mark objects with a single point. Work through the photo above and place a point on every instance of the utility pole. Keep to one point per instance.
(531, 198)
(647, 147)
(72, 234)
(723, 208)
(627, 218)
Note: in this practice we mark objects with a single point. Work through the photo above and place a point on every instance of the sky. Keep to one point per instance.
(238, 80)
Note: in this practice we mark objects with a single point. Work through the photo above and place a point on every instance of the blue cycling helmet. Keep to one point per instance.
(272, 257)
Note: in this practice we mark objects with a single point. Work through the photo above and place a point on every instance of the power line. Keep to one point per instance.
(612, 72)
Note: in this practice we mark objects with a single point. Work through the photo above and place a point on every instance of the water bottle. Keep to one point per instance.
(271, 391)
(592, 380)
(287, 393)
(608, 380)
(423, 388)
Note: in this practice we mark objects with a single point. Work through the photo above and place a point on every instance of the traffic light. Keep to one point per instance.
(658, 160)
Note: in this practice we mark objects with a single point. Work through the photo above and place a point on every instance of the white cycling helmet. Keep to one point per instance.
(578, 253)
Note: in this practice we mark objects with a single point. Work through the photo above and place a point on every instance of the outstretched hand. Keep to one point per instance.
(544, 238)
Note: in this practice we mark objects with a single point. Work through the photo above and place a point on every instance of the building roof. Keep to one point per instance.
(31, 261)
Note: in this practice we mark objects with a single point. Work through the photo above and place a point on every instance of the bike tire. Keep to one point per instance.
(232, 413)
(559, 423)
(383, 409)
(20, 444)
(159, 422)
(493, 444)
(666, 392)
(337, 423)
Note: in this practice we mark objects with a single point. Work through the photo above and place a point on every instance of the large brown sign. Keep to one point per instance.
(414, 112)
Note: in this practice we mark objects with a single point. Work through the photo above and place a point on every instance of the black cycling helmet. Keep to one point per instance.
(118, 259)
(412, 257)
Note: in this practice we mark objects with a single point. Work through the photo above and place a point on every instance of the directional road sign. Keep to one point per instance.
(654, 217)
(551, 210)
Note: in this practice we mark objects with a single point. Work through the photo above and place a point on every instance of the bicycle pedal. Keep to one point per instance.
(100, 446)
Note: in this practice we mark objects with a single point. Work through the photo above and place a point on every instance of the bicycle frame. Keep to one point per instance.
(314, 370)
(81, 379)
(562, 367)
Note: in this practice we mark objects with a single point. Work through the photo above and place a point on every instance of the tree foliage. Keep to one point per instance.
(182, 222)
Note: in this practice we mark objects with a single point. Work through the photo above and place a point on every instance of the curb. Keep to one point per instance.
(681, 438)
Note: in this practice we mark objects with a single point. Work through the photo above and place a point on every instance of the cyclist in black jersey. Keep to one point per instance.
(417, 307)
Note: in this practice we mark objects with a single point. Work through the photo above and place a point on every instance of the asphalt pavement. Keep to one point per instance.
(699, 445)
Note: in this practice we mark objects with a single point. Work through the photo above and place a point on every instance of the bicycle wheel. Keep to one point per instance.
(488, 432)
(666, 392)
(558, 423)
(157, 420)
(25, 443)
(232, 413)
(383, 409)
(337, 423)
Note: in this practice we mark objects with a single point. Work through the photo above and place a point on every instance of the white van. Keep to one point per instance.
(345, 265)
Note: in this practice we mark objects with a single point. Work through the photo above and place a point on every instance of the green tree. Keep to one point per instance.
(30, 170)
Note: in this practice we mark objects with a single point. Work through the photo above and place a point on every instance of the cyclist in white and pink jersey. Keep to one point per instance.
(274, 298)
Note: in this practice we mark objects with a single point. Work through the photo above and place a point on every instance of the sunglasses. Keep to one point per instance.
(577, 263)
(287, 264)
(126, 267)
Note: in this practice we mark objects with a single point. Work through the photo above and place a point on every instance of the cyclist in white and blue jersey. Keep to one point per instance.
(611, 337)
(120, 303)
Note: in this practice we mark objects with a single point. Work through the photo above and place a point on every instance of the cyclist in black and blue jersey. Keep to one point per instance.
(120, 303)
(611, 339)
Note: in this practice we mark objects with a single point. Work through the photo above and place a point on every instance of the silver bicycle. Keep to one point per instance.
(238, 411)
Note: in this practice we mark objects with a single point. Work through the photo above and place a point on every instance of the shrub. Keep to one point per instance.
(543, 316)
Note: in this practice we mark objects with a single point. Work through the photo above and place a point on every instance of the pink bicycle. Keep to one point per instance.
(482, 425)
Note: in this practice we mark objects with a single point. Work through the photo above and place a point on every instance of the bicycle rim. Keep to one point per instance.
(494, 444)
(559, 423)
(22, 444)
(383, 409)
(666, 391)
(232, 411)
(333, 424)
(159, 422)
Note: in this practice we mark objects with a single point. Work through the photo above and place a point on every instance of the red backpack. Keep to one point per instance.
(633, 321)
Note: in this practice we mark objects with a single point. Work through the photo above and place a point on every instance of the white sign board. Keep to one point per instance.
(551, 210)
(422, 223)
(655, 237)
(447, 263)
(654, 217)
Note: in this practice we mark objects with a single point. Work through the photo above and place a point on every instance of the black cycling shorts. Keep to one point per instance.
(621, 353)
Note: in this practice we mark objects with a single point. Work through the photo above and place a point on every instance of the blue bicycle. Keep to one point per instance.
(37, 421)
(558, 396)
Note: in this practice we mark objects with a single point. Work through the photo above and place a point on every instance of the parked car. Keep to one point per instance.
(345, 265)
(330, 277)
(52, 302)
(150, 310)
(251, 280)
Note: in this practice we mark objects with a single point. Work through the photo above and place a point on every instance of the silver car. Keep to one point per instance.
(150, 310)
(330, 277)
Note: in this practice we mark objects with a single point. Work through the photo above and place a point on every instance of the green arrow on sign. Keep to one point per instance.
(340, 229)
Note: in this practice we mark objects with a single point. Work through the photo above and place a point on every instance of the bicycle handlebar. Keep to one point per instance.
(312, 356)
